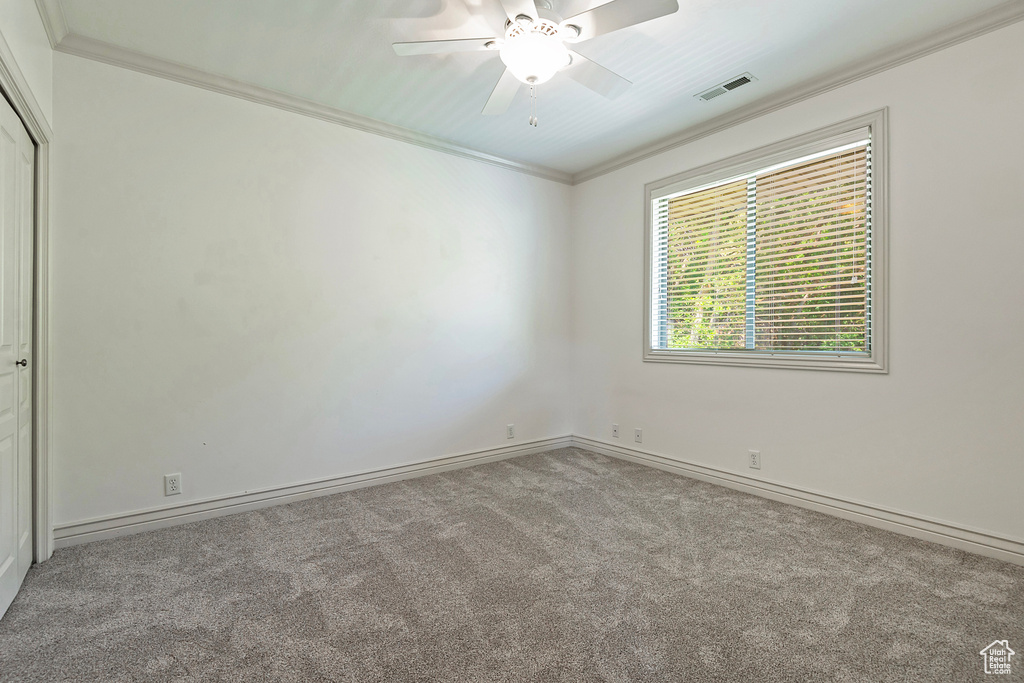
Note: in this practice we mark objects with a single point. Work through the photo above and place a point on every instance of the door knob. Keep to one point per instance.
(23, 362)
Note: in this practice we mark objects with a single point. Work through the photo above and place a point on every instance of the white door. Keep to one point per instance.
(17, 163)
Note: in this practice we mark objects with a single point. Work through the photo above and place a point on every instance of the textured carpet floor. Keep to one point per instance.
(564, 566)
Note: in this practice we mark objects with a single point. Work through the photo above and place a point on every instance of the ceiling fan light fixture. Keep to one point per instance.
(534, 57)
(533, 45)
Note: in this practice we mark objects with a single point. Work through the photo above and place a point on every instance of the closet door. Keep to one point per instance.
(17, 156)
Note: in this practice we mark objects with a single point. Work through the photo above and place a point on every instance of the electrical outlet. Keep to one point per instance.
(615, 431)
(638, 435)
(172, 484)
(510, 431)
(755, 460)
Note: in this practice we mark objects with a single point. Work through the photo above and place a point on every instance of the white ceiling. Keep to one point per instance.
(338, 53)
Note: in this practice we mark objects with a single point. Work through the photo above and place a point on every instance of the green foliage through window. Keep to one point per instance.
(775, 261)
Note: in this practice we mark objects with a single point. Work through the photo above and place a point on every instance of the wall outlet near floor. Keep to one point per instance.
(615, 431)
(755, 460)
(638, 435)
(510, 431)
(172, 484)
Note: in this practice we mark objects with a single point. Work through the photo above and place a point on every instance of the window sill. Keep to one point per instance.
(829, 362)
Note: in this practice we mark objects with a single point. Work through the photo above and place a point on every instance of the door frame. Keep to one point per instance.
(16, 89)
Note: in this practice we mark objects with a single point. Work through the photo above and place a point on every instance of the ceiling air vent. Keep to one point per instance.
(722, 88)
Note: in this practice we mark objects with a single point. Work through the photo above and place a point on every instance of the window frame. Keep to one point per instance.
(793, 148)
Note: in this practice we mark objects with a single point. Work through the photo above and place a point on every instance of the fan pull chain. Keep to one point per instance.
(533, 105)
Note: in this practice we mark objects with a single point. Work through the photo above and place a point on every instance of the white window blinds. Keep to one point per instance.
(776, 260)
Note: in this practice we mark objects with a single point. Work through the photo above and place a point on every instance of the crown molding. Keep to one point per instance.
(62, 40)
(996, 18)
(90, 48)
(54, 21)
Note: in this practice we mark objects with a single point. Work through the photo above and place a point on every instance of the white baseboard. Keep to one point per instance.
(936, 531)
(156, 518)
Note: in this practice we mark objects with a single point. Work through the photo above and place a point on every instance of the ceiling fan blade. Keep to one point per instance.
(619, 14)
(596, 77)
(513, 8)
(504, 92)
(435, 47)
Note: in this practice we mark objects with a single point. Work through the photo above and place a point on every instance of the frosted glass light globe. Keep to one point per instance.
(534, 57)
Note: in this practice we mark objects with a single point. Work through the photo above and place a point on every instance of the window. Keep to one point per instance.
(774, 258)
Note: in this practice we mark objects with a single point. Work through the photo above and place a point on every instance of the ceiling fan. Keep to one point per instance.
(533, 46)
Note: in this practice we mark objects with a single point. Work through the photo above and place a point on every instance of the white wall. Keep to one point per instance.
(940, 436)
(22, 28)
(254, 298)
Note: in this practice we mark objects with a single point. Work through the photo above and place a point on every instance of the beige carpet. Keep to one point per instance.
(565, 566)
